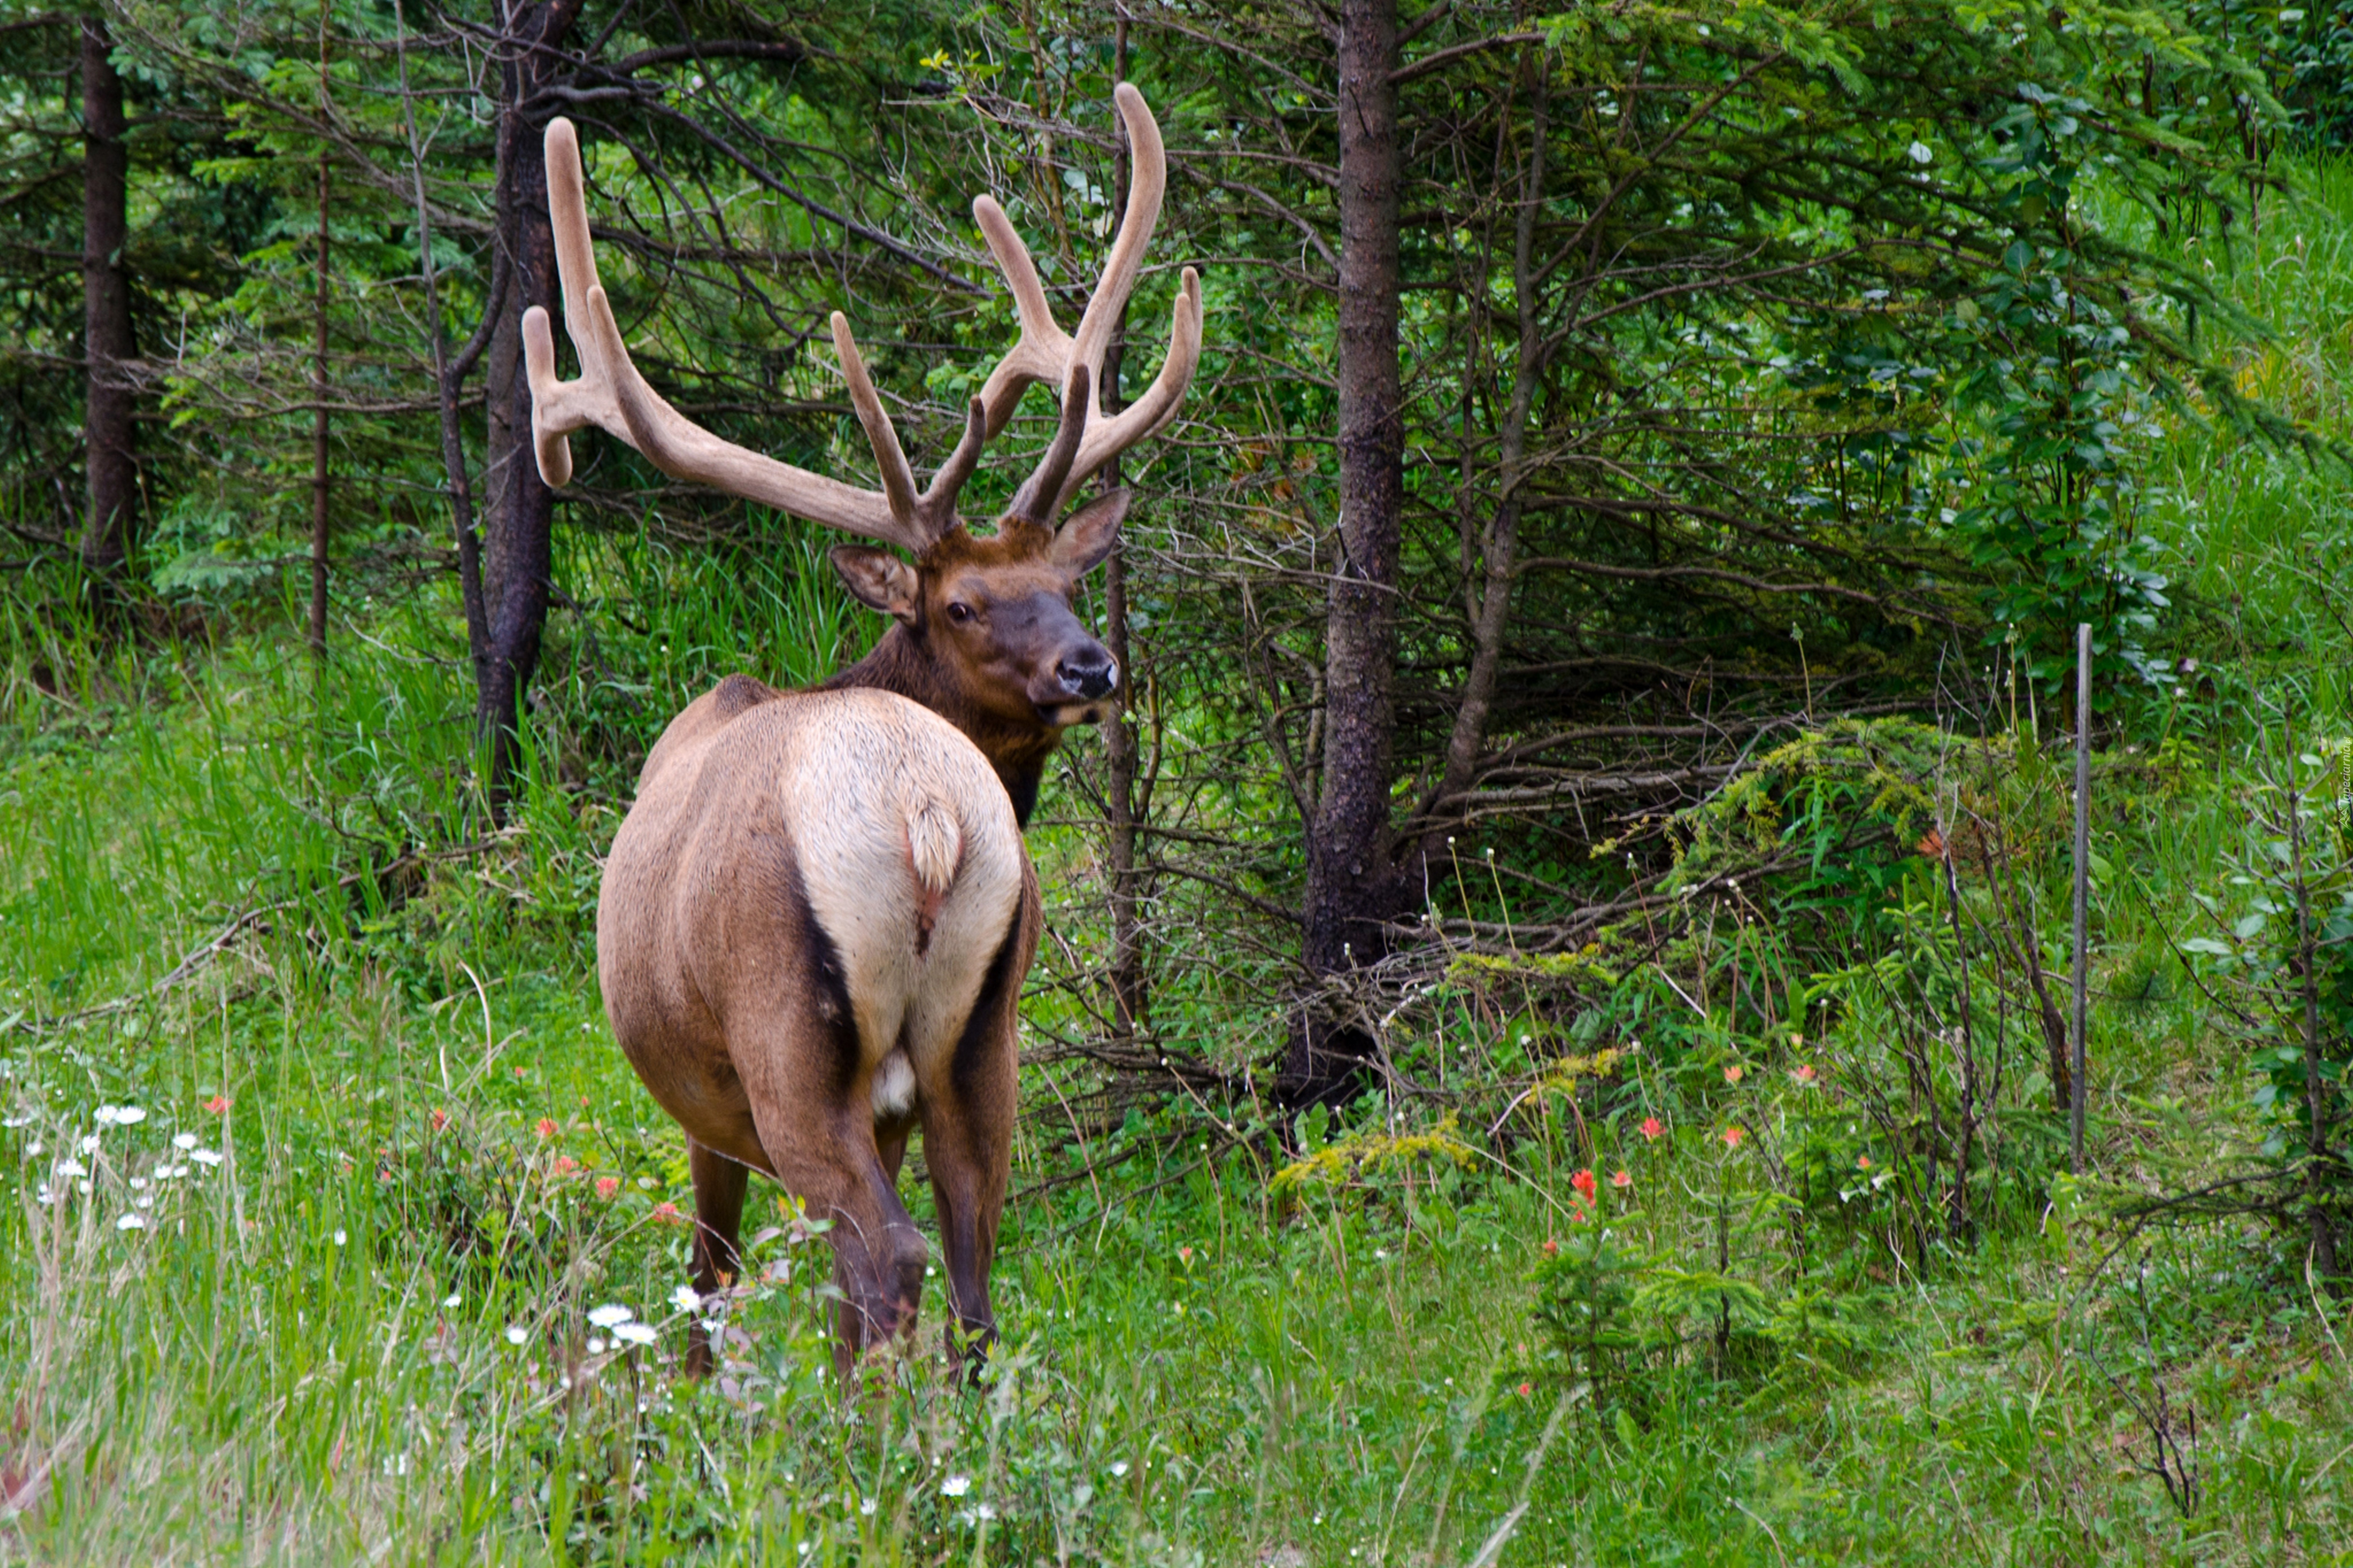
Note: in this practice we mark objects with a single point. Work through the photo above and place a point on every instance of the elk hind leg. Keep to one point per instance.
(969, 1109)
(823, 1151)
(719, 1186)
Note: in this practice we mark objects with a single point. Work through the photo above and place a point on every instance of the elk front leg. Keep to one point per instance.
(719, 1184)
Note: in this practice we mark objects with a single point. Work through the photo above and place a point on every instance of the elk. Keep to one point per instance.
(817, 917)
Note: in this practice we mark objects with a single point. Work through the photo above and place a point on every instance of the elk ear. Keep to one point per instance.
(1083, 543)
(876, 577)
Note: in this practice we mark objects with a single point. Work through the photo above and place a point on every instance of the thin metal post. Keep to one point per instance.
(2083, 880)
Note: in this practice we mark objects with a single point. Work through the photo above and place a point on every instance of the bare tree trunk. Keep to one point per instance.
(319, 429)
(1352, 890)
(1500, 547)
(106, 343)
(501, 369)
(522, 539)
(1120, 744)
(449, 376)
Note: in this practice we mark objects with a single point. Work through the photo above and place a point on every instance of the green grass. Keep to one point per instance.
(363, 1333)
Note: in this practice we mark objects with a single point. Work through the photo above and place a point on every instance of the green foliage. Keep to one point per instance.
(2277, 929)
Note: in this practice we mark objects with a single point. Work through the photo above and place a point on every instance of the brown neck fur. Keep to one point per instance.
(902, 663)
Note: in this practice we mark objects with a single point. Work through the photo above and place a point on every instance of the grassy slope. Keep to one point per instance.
(292, 1360)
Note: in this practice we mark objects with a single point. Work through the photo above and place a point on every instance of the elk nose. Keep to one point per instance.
(1089, 674)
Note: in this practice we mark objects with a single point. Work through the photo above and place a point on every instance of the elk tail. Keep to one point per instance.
(935, 851)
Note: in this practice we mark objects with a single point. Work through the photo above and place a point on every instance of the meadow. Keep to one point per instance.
(337, 1230)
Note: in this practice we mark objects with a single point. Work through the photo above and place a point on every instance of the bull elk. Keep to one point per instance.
(816, 918)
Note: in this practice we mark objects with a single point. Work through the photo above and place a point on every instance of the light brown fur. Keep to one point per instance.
(761, 940)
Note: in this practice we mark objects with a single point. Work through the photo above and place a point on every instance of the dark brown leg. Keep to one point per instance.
(968, 1185)
(719, 1184)
(969, 1110)
(827, 1156)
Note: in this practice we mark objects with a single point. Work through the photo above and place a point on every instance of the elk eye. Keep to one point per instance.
(959, 612)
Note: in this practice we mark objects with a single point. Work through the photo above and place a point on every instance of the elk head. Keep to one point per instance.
(986, 632)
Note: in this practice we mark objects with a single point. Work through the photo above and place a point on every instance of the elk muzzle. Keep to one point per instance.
(1074, 690)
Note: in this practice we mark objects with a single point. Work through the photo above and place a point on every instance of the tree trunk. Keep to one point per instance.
(107, 343)
(1121, 747)
(501, 368)
(450, 372)
(519, 549)
(1498, 550)
(1352, 890)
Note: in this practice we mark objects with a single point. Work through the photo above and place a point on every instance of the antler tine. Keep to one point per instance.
(1044, 353)
(936, 508)
(1042, 493)
(558, 408)
(898, 479)
(612, 395)
(1107, 438)
(1147, 181)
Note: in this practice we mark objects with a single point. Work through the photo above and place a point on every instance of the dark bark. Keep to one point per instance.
(520, 536)
(1490, 608)
(1120, 742)
(108, 346)
(449, 374)
(1353, 888)
(501, 368)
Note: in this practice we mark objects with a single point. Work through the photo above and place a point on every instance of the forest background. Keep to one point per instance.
(1553, 1038)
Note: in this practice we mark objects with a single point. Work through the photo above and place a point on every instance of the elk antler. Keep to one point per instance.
(1045, 353)
(610, 394)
